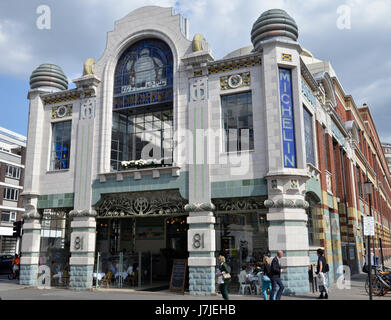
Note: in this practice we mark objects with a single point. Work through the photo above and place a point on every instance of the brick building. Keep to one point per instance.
(12, 159)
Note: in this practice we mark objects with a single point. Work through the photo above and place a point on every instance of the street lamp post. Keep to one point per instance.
(368, 190)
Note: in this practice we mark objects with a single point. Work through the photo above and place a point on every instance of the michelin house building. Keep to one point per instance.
(162, 152)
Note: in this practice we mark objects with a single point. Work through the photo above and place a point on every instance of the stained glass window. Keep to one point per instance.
(309, 137)
(144, 75)
(61, 145)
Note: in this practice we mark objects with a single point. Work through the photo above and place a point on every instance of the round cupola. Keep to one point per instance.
(48, 77)
(275, 23)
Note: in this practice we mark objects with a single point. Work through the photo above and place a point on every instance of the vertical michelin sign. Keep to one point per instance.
(287, 118)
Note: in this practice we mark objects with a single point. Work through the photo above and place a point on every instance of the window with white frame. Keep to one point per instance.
(11, 194)
(12, 172)
(8, 216)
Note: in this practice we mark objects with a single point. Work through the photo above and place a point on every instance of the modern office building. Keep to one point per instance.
(162, 152)
(12, 159)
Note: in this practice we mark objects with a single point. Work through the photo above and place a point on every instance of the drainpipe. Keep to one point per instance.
(344, 200)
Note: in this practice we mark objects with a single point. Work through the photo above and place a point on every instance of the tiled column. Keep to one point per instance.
(201, 220)
(31, 241)
(84, 223)
(82, 250)
(287, 172)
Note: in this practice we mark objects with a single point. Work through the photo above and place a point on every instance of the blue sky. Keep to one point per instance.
(359, 55)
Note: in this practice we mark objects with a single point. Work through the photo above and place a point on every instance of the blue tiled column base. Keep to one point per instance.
(295, 280)
(80, 277)
(202, 281)
(28, 275)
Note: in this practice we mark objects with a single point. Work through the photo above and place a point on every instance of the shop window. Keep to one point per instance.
(242, 239)
(61, 145)
(237, 119)
(309, 137)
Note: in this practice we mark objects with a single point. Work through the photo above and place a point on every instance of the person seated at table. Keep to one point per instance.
(243, 274)
(249, 270)
(113, 268)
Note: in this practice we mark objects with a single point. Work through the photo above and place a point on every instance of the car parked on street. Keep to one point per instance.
(6, 263)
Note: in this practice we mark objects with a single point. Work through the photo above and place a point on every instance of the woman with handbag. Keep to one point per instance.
(223, 277)
(266, 282)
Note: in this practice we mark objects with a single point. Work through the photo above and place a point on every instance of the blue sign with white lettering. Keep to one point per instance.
(287, 118)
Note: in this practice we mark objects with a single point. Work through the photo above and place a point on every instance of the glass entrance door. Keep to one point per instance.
(139, 251)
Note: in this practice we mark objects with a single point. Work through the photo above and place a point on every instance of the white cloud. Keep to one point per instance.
(15, 54)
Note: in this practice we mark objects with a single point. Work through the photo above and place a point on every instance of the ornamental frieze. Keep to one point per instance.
(286, 203)
(61, 112)
(141, 204)
(239, 204)
(235, 81)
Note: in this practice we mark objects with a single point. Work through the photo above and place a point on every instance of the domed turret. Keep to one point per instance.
(49, 77)
(275, 23)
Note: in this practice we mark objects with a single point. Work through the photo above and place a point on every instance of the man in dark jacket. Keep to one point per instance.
(276, 274)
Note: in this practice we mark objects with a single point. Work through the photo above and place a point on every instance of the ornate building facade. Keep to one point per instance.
(162, 152)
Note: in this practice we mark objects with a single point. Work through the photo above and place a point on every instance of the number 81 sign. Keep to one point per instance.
(201, 240)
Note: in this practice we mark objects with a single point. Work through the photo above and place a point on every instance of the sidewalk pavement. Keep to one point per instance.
(10, 290)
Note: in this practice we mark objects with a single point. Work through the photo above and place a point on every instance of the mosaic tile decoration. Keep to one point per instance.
(72, 97)
(198, 73)
(286, 57)
(235, 66)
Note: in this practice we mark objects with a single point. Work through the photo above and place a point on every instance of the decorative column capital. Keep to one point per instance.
(200, 207)
(83, 213)
(31, 212)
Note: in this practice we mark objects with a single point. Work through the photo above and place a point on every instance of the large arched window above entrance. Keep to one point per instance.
(144, 75)
(142, 127)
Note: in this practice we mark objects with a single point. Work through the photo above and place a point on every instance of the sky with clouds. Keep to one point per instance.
(360, 55)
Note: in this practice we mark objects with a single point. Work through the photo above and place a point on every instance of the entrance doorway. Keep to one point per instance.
(138, 252)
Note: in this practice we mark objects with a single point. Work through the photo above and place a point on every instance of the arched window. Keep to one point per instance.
(142, 104)
(144, 75)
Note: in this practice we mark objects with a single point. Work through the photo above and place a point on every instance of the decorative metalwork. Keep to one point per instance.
(239, 204)
(235, 81)
(144, 75)
(142, 204)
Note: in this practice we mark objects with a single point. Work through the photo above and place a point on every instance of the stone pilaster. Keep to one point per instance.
(201, 220)
(31, 241)
(82, 250)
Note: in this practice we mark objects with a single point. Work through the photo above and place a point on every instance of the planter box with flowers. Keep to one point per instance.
(143, 164)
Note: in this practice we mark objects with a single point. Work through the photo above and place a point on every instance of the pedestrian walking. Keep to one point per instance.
(321, 269)
(266, 276)
(15, 266)
(223, 277)
(276, 277)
